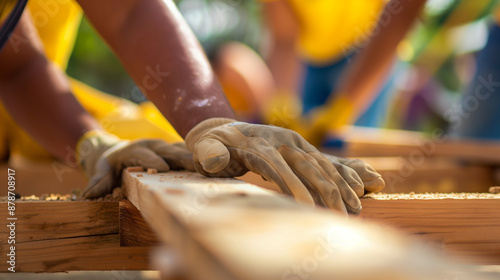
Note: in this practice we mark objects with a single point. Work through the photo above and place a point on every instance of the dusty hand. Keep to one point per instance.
(225, 148)
(102, 157)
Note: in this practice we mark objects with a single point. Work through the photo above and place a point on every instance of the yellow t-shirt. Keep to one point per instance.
(330, 28)
(57, 24)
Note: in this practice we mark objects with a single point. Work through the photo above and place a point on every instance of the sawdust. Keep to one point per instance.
(412, 195)
(75, 195)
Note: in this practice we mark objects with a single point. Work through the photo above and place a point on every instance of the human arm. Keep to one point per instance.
(162, 55)
(283, 106)
(37, 95)
(282, 59)
(362, 79)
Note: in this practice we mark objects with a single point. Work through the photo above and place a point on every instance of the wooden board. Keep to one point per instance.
(226, 229)
(463, 225)
(134, 231)
(374, 142)
(74, 235)
(432, 174)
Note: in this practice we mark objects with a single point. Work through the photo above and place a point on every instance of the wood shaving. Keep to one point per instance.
(152, 171)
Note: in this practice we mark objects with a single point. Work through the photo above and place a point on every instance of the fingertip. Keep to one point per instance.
(354, 211)
(358, 189)
(375, 185)
(212, 155)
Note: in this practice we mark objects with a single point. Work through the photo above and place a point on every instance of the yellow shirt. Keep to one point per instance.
(329, 28)
(57, 25)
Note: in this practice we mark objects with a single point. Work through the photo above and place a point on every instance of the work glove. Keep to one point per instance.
(226, 148)
(332, 117)
(282, 109)
(102, 156)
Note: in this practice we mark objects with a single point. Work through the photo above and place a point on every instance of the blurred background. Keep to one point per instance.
(436, 62)
(318, 67)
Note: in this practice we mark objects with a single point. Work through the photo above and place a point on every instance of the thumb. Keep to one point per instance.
(212, 155)
(101, 183)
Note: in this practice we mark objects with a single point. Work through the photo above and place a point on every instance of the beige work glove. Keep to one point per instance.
(226, 148)
(102, 157)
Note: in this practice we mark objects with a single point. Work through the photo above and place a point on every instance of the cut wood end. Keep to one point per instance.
(152, 171)
(135, 169)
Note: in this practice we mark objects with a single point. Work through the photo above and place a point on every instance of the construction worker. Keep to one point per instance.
(317, 40)
(162, 55)
(57, 25)
(373, 62)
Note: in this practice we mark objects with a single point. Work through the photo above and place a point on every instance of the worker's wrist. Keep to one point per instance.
(91, 146)
(196, 132)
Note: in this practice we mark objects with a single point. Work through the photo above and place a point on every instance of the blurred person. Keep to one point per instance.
(372, 64)
(320, 40)
(161, 54)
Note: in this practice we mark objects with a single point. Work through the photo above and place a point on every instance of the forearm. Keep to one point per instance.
(163, 57)
(282, 57)
(285, 67)
(365, 76)
(37, 95)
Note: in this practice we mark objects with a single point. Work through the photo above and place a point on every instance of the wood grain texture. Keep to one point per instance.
(464, 227)
(56, 236)
(228, 229)
(134, 231)
(102, 252)
(44, 220)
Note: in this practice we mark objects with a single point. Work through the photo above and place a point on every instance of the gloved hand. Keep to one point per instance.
(102, 157)
(226, 148)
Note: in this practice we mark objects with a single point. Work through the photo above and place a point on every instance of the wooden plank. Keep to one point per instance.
(44, 220)
(101, 252)
(134, 231)
(227, 229)
(431, 175)
(373, 142)
(72, 235)
(464, 225)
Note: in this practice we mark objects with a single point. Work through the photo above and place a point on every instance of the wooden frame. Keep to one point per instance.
(106, 235)
(54, 236)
